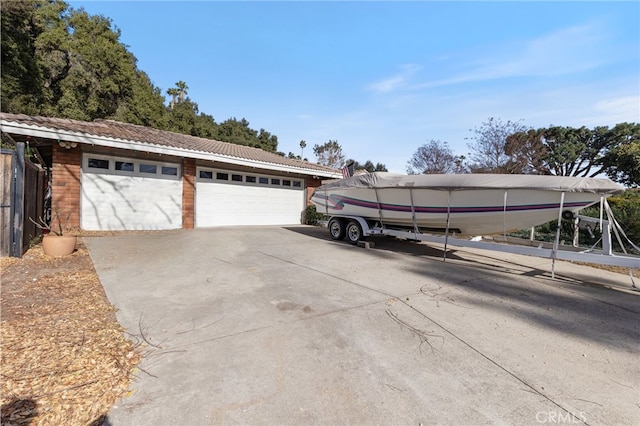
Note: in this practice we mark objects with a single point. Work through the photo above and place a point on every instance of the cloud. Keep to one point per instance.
(619, 110)
(566, 51)
(396, 82)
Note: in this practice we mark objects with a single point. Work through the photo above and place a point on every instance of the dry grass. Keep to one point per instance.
(65, 359)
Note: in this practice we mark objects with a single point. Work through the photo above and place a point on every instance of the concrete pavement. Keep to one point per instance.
(282, 326)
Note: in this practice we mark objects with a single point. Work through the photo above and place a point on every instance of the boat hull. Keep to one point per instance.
(470, 212)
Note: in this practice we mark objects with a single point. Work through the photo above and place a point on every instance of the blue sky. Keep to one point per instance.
(383, 78)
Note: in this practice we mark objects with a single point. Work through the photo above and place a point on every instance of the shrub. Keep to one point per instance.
(626, 211)
(311, 216)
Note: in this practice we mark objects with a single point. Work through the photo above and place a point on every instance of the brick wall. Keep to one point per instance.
(188, 192)
(312, 184)
(65, 184)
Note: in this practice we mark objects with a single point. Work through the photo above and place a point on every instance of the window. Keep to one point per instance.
(98, 163)
(236, 178)
(148, 168)
(222, 176)
(206, 175)
(286, 182)
(297, 184)
(250, 179)
(124, 166)
(264, 180)
(168, 170)
(275, 181)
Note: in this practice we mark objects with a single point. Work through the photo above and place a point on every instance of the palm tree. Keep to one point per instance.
(303, 145)
(173, 92)
(182, 87)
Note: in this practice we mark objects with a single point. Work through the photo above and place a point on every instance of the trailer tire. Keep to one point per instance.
(354, 232)
(336, 229)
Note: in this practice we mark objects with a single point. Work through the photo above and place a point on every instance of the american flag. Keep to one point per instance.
(345, 172)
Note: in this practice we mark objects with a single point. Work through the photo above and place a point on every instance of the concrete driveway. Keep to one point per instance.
(282, 326)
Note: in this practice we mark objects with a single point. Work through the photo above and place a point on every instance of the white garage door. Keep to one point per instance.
(233, 198)
(129, 194)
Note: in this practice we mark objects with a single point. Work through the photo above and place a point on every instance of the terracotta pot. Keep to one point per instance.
(56, 245)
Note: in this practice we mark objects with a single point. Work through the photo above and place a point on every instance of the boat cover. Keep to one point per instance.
(456, 182)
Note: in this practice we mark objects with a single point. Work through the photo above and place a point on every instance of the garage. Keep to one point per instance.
(120, 193)
(225, 198)
(107, 175)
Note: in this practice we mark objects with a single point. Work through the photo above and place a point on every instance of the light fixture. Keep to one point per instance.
(67, 145)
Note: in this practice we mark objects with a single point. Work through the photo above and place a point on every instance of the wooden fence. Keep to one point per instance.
(23, 185)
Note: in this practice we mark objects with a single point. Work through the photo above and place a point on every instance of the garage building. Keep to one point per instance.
(107, 175)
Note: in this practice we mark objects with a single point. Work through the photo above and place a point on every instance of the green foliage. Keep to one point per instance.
(329, 154)
(22, 88)
(311, 216)
(368, 166)
(622, 161)
(62, 62)
(626, 211)
(239, 132)
(567, 151)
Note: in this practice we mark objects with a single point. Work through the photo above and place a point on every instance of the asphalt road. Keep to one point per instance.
(282, 326)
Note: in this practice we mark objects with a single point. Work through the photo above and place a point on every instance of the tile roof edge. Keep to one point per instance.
(57, 123)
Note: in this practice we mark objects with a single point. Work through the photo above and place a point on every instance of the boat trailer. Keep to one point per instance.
(356, 229)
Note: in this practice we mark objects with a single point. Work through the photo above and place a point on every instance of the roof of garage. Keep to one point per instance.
(139, 138)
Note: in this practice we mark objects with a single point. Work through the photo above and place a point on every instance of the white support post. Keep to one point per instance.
(556, 243)
(413, 213)
(375, 190)
(446, 233)
(326, 203)
(504, 215)
(606, 238)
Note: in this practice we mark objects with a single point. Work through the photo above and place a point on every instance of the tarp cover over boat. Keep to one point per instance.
(455, 182)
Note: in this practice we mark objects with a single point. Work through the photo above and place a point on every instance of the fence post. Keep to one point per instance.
(18, 201)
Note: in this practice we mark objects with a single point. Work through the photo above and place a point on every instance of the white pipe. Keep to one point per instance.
(504, 215)
(556, 243)
(446, 232)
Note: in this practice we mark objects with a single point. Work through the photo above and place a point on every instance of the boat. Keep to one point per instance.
(464, 204)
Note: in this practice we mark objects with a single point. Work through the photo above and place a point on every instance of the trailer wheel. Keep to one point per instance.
(354, 232)
(336, 229)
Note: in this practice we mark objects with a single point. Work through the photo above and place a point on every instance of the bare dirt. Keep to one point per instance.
(65, 359)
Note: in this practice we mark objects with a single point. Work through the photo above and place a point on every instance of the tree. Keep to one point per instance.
(488, 151)
(146, 105)
(173, 92)
(434, 157)
(239, 132)
(303, 145)
(182, 90)
(90, 73)
(567, 151)
(266, 141)
(21, 88)
(527, 153)
(622, 161)
(61, 62)
(368, 166)
(329, 154)
(573, 152)
(379, 167)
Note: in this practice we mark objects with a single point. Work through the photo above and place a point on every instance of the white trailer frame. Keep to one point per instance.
(602, 257)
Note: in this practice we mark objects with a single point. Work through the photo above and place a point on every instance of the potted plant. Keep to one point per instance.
(55, 242)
